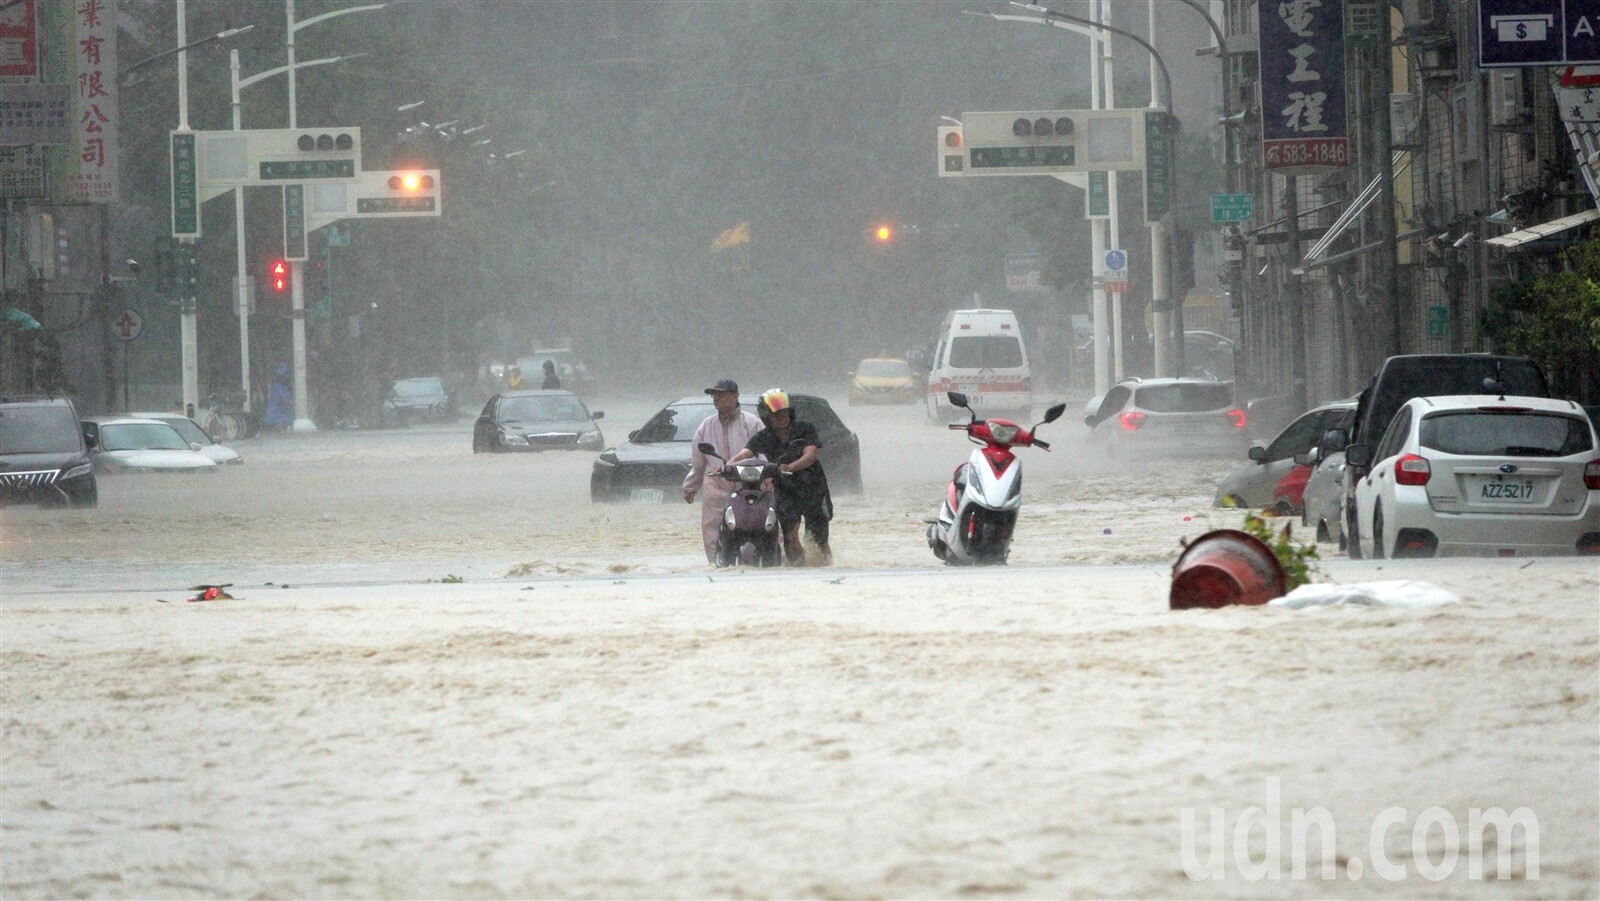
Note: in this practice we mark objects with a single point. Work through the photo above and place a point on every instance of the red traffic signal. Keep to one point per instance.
(278, 276)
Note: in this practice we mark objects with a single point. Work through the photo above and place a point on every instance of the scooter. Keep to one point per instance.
(979, 513)
(750, 534)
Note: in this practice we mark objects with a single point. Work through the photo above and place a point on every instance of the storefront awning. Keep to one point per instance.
(1544, 230)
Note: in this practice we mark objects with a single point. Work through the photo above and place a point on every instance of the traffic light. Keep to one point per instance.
(883, 234)
(278, 276)
(400, 192)
(411, 182)
(344, 141)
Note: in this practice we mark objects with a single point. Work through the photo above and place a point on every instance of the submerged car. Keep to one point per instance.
(421, 397)
(535, 421)
(1489, 475)
(884, 380)
(196, 436)
(650, 466)
(123, 445)
(1177, 416)
(1255, 483)
(44, 455)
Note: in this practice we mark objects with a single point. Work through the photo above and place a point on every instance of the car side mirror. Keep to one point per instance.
(1359, 455)
(1309, 458)
(1258, 454)
(633, 435)
(1090, 420)
(195, 445)
(598, 414)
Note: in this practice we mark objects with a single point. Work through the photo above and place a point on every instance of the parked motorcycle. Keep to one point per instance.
(979, 513)
(750, 534)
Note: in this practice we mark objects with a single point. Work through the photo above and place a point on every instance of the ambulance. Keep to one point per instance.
(981, 354)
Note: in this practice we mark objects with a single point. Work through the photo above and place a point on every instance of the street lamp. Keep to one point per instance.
(1160, 269)
(1104, 233)
(219, 36)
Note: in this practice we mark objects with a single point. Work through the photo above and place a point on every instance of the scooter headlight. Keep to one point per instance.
(772, 520)
(727, 517)
(1002, 433)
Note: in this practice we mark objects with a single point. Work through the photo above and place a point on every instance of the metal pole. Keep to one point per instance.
(188, 328)
(302, 406)
(293, 113)
(1160, 274)
(1102, 16)
(1100, 230)
(241, 279)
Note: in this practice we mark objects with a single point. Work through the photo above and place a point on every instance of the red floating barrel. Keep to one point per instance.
(1226, 567)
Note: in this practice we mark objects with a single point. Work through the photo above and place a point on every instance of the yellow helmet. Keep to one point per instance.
(772, 401)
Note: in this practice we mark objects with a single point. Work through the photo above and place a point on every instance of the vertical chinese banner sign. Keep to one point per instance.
(87, 170)
(1303, 126)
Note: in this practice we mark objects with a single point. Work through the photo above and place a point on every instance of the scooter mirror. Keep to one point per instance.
(708, 449)
(957, 399)
(1054, 413)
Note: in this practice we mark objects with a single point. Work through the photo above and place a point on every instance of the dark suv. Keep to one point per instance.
(44, 458)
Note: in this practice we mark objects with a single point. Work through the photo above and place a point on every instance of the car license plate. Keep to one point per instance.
(1521, 492)
(646, 496)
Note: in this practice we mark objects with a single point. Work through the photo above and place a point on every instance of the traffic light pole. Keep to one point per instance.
(240, 297)
(302, 401)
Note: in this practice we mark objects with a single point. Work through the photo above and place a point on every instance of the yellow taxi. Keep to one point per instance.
(884, 380)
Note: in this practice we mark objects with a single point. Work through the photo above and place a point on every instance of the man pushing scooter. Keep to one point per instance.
(802, 486)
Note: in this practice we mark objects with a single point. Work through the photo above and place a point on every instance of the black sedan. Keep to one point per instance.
(651, 464)
(535, 421)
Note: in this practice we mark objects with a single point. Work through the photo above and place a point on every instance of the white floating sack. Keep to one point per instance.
(1398, 593)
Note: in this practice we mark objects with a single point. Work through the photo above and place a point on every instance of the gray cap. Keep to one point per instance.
(728, 385)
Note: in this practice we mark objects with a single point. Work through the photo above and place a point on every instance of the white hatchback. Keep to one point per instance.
(1481, 475)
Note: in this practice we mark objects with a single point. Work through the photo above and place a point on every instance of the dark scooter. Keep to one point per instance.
(750, 534)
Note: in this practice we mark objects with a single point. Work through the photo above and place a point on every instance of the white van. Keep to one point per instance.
(981, 354)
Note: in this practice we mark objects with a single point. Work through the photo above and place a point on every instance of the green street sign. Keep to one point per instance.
(185, 197)
(373, 205)
(1021, 157)
(294, 222)
(1232, 207)
(304, 170)
(1157, 167)
(1099, 194)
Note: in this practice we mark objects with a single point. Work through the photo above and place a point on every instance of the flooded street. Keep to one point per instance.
(450, 675)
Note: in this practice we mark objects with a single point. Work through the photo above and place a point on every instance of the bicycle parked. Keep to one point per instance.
(224, 417)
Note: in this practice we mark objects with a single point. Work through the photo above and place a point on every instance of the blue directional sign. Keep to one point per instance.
(1116, 260)
(1538, 32)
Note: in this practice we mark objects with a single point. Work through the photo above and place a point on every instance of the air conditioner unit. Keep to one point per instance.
(1405, 124)
(1243, 96)
(1417, 12)
(1506, 105)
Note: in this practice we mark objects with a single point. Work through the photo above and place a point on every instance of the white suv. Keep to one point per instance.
(1480, 475)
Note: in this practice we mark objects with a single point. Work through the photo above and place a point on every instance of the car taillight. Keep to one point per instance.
(1591, 475)
(1131, 420)
(1236, 416)
(1412, 470)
